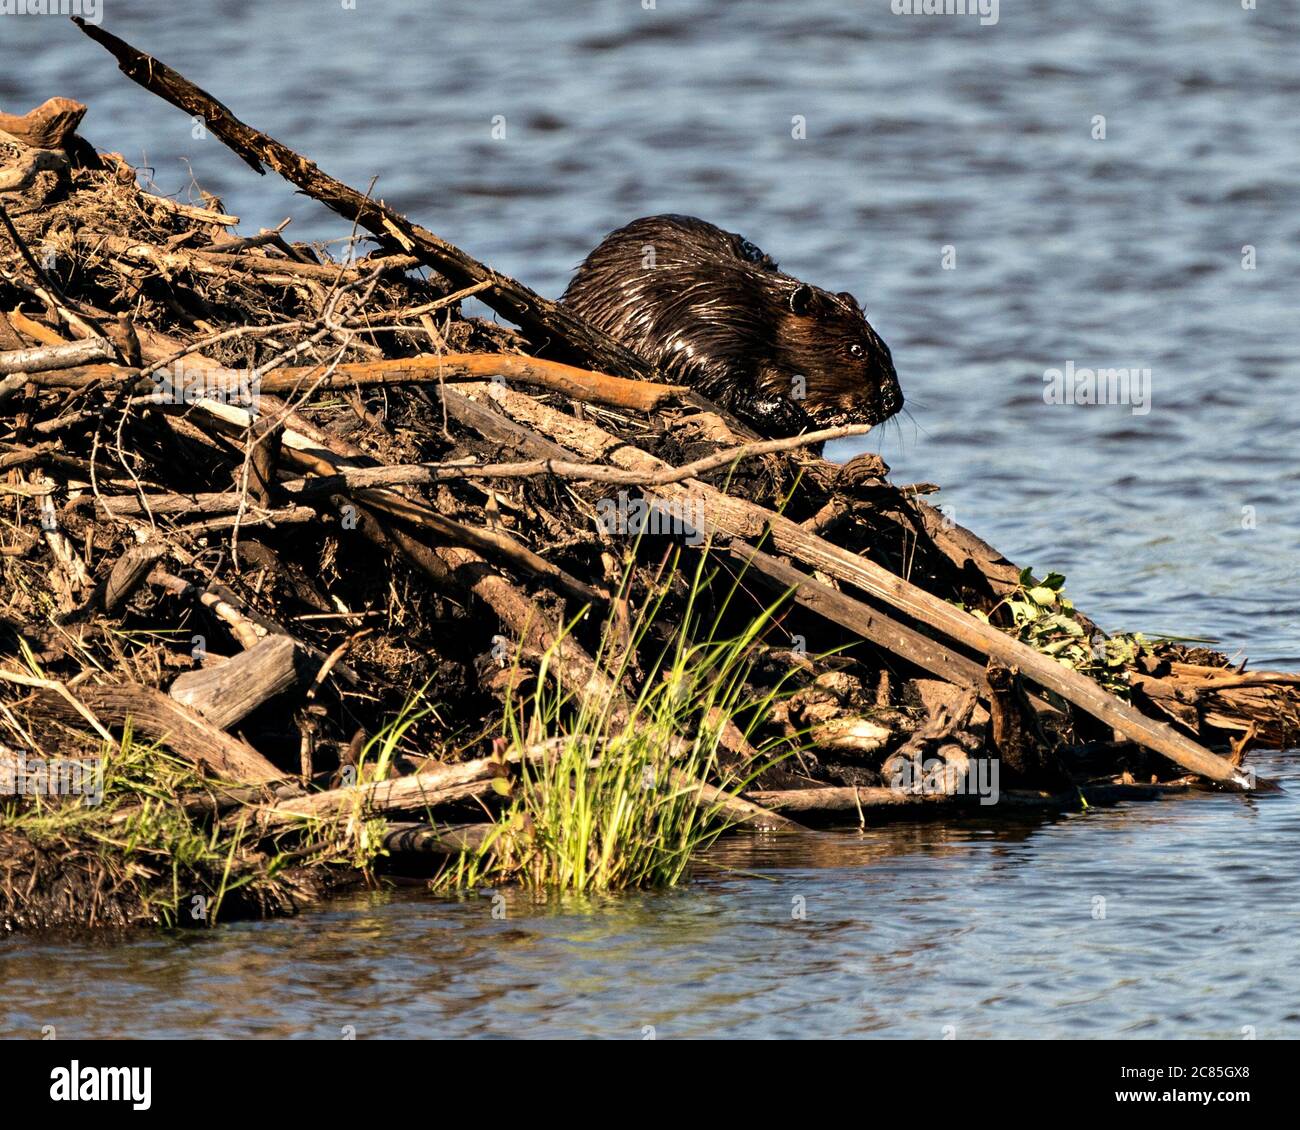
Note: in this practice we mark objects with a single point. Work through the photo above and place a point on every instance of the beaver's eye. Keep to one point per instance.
(856, 351)
(750, 252)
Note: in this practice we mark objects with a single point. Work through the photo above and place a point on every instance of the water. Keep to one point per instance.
(922, 133)
(1166, 919)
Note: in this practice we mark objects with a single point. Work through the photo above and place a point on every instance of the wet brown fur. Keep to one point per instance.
(711, 310)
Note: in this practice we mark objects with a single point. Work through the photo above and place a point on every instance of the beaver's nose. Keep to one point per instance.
(891, 392)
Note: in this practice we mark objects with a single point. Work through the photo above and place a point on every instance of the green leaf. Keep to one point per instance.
(1058, 622)
(1043, 595)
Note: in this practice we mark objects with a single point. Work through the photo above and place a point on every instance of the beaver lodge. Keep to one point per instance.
(309, 578)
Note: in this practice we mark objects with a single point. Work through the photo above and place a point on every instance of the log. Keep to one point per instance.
(49, 126)
(418, 791)
(452, 839)
(155, 717)
(737, 810)
(833, 798)
(869, 623)
(225, 693)
(19, 176)
(46, 358)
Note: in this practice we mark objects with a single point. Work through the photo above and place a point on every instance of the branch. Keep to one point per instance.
(359, 477)
(580, 384)
(544, 322)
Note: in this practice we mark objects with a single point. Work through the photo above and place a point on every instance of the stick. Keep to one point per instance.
(35, 330)
(246, 631)
(220, 263)
(407, 474)
(193, 212)
(183, 504)
(580, 384)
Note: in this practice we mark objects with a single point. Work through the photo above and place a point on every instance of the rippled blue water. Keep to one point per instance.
(921, 134)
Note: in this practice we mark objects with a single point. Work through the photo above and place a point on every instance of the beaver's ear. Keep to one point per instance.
(801, 300)
(853, 302)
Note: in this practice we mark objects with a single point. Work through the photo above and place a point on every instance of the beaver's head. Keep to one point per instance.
(837, 367)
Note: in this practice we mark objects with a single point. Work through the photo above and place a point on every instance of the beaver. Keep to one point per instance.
(713, 311)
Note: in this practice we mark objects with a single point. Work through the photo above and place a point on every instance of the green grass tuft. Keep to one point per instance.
(613, 804)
